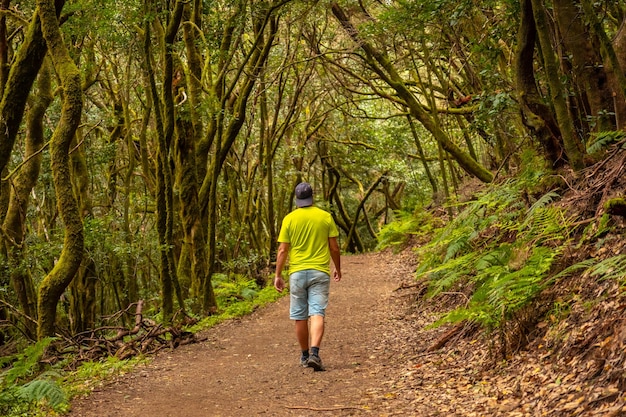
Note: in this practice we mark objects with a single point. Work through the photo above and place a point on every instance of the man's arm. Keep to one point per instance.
(335, 255)
(281, 259)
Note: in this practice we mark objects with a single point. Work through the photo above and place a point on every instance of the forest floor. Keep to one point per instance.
(381, 360)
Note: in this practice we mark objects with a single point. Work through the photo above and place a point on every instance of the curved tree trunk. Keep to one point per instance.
(165, 123)
(83, 287)
(22, 75)
(619, 45)
(422, 155)
(353, 232)
(225, 140)
(609, 56)
(536, 115)
(14, 224)
(55, 283)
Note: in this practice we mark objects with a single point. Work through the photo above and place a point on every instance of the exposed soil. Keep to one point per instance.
(381, 360)
(251, 366)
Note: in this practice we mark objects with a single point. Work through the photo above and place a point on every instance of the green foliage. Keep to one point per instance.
(44, 390)
(397, 233)
(24, 389)
(612, 268)
(88, 374)
(602, 140)
(503, 245)
(26, 362)
(228, 291)
(237, 296)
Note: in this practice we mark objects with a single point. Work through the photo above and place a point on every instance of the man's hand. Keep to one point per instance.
(337, 275)
(279, 284)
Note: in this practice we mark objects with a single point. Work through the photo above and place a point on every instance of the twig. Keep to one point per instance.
(446, 337)
(467, 300)
(404, 286)
(344, 407)
(15, 310)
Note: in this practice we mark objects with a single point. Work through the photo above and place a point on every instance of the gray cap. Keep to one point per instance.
(304, 194)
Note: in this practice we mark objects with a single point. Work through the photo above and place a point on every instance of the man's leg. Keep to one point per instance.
(317, 330)
(318, 301)
(302, 333)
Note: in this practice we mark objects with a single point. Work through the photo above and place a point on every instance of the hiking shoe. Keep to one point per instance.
(304, 362)
(315, 362)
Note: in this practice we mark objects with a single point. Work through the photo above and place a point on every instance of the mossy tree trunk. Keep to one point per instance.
(353, 232)
(593, 92)
(55, 283)
(21, 77)
(228, 117)
(21, 186)
(619, 47)
(165, 125)
(610, 58)
(420, 152)
(83, 287)
(536, 114)
(571, 143)
(193, 258)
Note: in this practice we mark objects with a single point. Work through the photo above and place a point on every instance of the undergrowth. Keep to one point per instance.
(29, 388)
(502, 249)
(237, 296)
(397, 234)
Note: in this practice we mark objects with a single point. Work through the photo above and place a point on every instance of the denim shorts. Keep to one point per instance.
(308, 291)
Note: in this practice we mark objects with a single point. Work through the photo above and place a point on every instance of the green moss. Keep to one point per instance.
(616, 206)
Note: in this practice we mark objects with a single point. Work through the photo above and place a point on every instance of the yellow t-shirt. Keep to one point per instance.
(307, 230)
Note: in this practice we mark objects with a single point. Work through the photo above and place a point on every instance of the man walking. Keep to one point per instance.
(308, 236)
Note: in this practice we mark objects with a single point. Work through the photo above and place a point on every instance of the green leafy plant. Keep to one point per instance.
(88, 374)
(503, 246)
(613, 268)
(237, 297)
(396, 234)
(24, 389)
(603, 140)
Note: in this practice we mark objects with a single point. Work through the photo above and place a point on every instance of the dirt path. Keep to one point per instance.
(382, 360)
(250, 367)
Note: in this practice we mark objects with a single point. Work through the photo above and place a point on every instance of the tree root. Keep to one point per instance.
(146, 337)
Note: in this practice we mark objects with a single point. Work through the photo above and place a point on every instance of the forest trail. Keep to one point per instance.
(250, 366)
(381, 356)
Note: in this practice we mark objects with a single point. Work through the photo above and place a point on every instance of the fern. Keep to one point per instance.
(449, 273)
(586, 264)
(610, 268)
(26, 362)
(509, 292)
(487, 245)
(503, 291)
(460, 244)
(546, 224)
(543, 201)
(497, 258)
(43, 389)
(16, 399)
(396, 233)
(603, 140)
